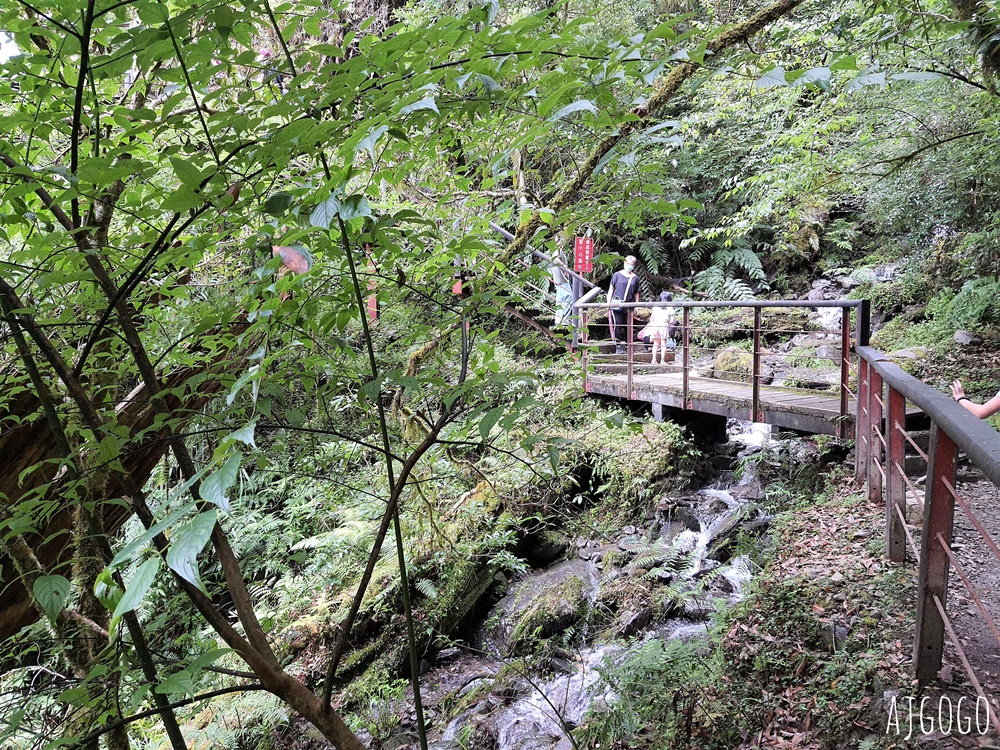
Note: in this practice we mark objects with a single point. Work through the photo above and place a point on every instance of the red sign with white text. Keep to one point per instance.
(583, 255)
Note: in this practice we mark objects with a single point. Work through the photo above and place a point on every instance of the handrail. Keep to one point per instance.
(547, 258)
(735, 303)
(882, 466)
(979, 441)
(585, 299)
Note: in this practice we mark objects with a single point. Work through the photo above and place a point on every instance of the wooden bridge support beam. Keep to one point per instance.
(939, 508)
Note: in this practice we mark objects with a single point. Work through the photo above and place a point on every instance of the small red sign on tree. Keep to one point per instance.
(583, 256)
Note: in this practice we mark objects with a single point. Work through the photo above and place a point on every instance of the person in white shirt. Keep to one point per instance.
(659, 327)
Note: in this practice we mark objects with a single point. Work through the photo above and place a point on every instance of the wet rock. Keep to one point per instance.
(737, 364)
(721, 463)
(914, 466)
(886, 272)
(833, 635)
(812, 379)
(914, 513)
(967, 338)
(828, 351)
(531, 723)
(401, 740)
(914, 352)
(448, 654)
(543, 548)
(630, 623)
(812, 340)
(542, 605)
(828, 318)
(689, 517)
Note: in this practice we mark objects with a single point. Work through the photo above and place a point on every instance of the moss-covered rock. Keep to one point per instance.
(542, 605)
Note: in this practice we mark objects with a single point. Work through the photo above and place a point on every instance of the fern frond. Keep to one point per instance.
(426, 587)
(652, 253)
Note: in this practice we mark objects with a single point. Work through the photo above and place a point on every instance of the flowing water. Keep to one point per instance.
(507, 709)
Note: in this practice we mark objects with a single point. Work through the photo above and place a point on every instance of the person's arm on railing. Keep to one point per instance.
(980, 410)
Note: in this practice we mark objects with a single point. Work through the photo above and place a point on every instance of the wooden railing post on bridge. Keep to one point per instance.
(874, 437)
(686, 358)
(864, 323)
(862, 429)
(756, 414)
(629, 356)
(845, 361)
(895, 465)
(939, 508)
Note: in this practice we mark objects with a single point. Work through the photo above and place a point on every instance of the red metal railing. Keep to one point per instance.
(882, 441)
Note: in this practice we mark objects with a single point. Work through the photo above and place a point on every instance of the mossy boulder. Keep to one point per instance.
(542, 605)
(736, 364)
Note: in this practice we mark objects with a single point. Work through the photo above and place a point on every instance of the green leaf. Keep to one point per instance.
(242, 380)
(846, 62)
(187, 543)
(179, 683)
(368, 142)
(278, 203)
(772, 78)
(813, 75)
(143, 579)
(130, 549)
(108, 592)
(866, 79)
(51, 593)
(577, 106)
(245, 434)
(553, 451)
(425, 103)
(325, 213)
(487, 422)
(217, 483)
(186, 172)
(354, 206)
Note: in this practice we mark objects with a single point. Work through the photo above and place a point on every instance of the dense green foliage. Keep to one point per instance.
(201, 198)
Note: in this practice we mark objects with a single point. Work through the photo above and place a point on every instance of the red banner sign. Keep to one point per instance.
(583, 255)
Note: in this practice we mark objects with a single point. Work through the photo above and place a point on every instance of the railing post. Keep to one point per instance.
(756, 414)
(584, 340)
(862, 430)
(895, 495)
(629, 351)
(864, 322)
(845, 361)
(874, 443)
(939, 508)
(686, 358)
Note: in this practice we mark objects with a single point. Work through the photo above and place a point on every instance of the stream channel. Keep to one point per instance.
(587, 596)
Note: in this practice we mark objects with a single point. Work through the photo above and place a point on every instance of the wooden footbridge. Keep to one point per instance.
(693, 382)
(909, 441)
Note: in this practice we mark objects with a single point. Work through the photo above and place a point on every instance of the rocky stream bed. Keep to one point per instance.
(592, 603)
